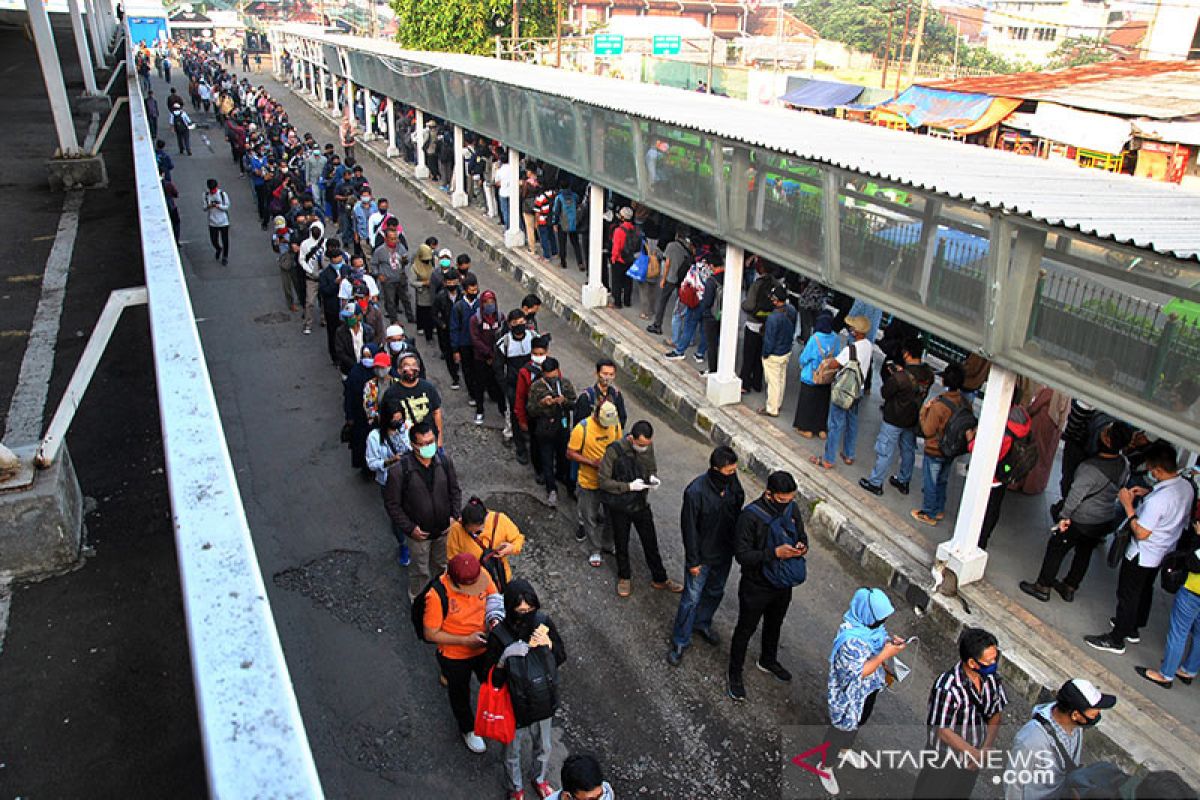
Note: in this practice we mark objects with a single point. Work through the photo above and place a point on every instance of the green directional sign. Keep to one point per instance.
(608, 44)
(667, 45)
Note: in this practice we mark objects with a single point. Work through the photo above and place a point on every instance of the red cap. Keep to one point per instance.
(383, 360)
(463, 569)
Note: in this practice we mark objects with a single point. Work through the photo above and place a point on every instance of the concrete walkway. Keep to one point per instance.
(1042, 642)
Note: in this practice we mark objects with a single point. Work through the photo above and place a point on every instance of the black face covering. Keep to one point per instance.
(719, 479)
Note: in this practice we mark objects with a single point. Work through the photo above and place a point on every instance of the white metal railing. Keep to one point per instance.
(254, 739)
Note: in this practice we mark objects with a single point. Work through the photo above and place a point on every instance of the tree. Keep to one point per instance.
(465, 26)
(863, 25)
(1075, 51)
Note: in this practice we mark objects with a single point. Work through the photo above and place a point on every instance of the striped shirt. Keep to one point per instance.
(956, 705)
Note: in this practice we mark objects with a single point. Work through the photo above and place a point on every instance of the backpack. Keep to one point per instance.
(1099, 779)
(1021, 458)
(1095, 426)
(691, 291)
(532, 679)
(847, 386)
(1177, 564)
(952, 441)
(418, 605)
(631, 246)
(488, 559)
(788, 572)
(907, 404)
(625, 470)
(716, 304)
(179, 123)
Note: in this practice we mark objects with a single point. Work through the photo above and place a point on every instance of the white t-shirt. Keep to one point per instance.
(504, 179)
(346, 288)
(863, 350)
(1164, 512)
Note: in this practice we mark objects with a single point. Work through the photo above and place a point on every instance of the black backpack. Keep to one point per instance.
(953, 439)
(179, 123)
(632, 245)
(1021, 458)
(418, 605)
(625, 470)
(532, 679)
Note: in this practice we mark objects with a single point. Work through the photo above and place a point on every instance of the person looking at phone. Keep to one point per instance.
(860, 666)
(458, 631)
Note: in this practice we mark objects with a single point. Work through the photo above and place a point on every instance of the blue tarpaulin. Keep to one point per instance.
(822, 95)
(959, 247)
(921, 105)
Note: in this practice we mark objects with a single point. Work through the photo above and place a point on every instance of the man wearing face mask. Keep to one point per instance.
(443, 305)
(513, 350)
(422, 278)
(1052, 742)
(530, 371)
(350, 337)
(550, 399)
(965, 710)
(396, 343)
(422, 497)
(603, 390)
(375, 389)
(418, 397)
(484, 327)
(387, 266)
(461, 312)
(711, 504)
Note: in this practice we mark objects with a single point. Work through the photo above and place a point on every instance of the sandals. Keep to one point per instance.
(820, 462)
(623, 587)
(847, 461)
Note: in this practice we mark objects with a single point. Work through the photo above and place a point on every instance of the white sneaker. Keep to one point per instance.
(474, 743)
(470, 402)
(552, 498)
(828, 779)
(479, 419)
(508, 431)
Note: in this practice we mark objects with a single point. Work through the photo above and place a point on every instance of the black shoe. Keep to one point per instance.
(653, 329)
(1035, 590)
(580, 533)
(902, 488)
(708, 636)
(1065, 590)
(870, 487)
(522, 459)
(1105, 642)
(735, 688)
(224, 261)
(217, 256)
(675, 656)
(1130, 639)
(775, 669)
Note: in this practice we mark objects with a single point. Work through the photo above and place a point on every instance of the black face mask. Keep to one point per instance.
(1084, 722)
(877, 624)
(719, 479)
(518, 330)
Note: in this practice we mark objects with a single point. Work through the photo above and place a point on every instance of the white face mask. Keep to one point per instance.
(537, 359)
(396, 347)
(368, 362)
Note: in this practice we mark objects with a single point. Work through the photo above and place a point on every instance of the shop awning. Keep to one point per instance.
(960, 112)
(1171, 132)
(1084, 129)
(822, 95)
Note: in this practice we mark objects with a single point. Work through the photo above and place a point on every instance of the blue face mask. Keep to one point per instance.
(989, 669)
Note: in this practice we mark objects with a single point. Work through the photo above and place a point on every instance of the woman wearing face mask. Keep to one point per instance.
(352, 404)
(350, 338)
(525, 652)
(386, 444)
(858, 670)
(377, 386)
(490, 536)
(484, 329)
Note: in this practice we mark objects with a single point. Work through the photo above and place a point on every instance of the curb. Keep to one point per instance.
(1139, 735)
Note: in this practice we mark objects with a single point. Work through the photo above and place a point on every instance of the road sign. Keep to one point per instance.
(667, 45)
(608, 44)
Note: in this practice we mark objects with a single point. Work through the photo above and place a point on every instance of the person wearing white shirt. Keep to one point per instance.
(216, 208)
(504, 186)
(1155, 526)
(842, 423)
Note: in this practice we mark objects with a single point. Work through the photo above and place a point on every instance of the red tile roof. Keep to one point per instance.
(1129, 35)
(1022, 84)
(765, 21)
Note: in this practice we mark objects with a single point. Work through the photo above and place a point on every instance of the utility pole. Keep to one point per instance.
(916, 51)
(957, 36)
(887, 51)
(558, 34)
(516, 27)
(900, 54)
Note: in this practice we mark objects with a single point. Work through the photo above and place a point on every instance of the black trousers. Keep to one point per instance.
(466, 363)
(425, 321)
(843, 740)
(183, 138)
(712, 335)
(752, 369)
(1083, 540)
(443, 339)
(332, 320)
(1135, 594)
(458, 674)
(620, 284)
(946, 783)
(219, 236)
(261, 196)
(486, 383)
(643, 521)
(573, 236)
(552, 456)
(758, 603)
(666, 294)
(991, 514)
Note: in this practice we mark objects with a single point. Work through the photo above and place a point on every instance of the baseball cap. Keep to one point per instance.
(463, 569)
(607, 415)
(779, 293)
(1081, 695)
(382, 360)
(445, 253)
(626, 213)
(393, 330)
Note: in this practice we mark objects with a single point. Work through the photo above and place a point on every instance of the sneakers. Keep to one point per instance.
(624, 587)
(544, 789)
(699, 359)
(653, 329)
(735, 688)
(471, 402)
(307, 330)
(1066, 590)
(1035, 590)
(516, 794)
(478, 417)
(405, 559)
(508, 431)
(673, 355)
(674, 656)
(1130, 639)
(828, 781)
(899, 486)
(456, 386)
(581, 534)
(775, 669)
(474, 743)
(595, 560)
(552, 498)
(1105, 642)
(668, 585)
(870, 487)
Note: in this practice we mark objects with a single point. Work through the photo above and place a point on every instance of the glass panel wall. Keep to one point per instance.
(776, 200)
(482, 104)
(558, 124)
(681, 173)
(516, 117)
(880, 239)
(610, 153)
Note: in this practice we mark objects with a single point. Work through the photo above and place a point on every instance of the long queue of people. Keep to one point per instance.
(468, 599)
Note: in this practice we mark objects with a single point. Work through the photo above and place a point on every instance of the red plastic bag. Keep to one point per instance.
(494, 713)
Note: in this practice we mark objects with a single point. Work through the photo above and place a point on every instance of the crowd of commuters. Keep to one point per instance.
(347, 264)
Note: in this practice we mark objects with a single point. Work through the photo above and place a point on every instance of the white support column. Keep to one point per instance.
(110, 18)
(371, 116)
(81, 44)
(961, 555)
(392, 150)
(421, 170)
(56, 90)
(321, 96)
(594, 293)
(513, 237)
(458, 197)
(94, 32)
(337, 106)
(725, 387)
(351, 112)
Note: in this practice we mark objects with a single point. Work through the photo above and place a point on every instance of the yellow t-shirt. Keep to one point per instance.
(1192, 584)
(591, 439)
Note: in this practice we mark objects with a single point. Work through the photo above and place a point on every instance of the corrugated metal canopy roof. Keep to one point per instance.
(1134, 211)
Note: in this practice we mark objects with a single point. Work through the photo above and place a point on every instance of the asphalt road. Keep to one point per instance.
(368, 692)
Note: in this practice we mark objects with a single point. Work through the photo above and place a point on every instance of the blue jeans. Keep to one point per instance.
(548, 241)
(842, 425)
(890, 437)
(503, 201)
(1185, 619)
(701, 595)
(687, 330)
(935, 474)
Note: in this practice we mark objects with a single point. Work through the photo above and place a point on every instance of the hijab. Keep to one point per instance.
(867, 607)
(823, 323)
(521, 625)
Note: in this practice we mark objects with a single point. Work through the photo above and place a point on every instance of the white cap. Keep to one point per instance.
(393, 330)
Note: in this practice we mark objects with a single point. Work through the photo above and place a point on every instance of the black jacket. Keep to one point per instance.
(528, 706)
(708, 520)
(750, 542)
(442, 303)
(411, 502)
(904, 391)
